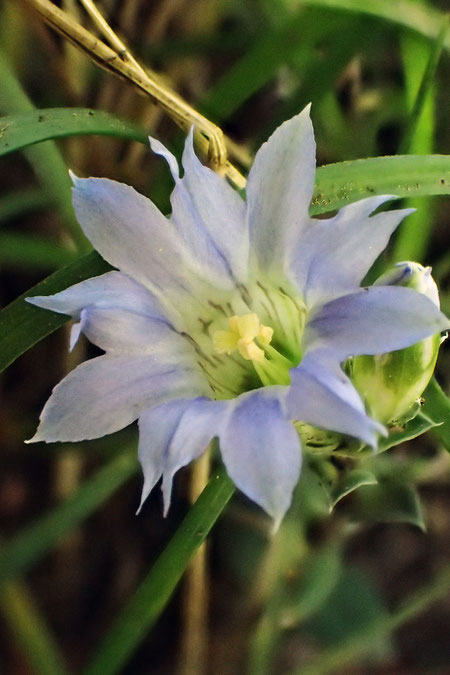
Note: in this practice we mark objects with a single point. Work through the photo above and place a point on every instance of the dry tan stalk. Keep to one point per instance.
(209, 137)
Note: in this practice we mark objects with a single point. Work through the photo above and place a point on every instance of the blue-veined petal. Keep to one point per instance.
(210, 263)
(334, 254)
(279, 190)
(219, 208)
(174, 434)
(261, 450)
(209, 216)
(117, 330)
(107, 393)
(112, 290)
(130, 232)
(375, 320)
(156, 429)
(322, 395)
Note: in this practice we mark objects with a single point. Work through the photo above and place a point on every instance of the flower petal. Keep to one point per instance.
(107, 393)
(116, 330)
(334, 255)
(375, 320)
(322, 395)
(210, 217)
(261, 450)
(172, 435)
(130, 232)
(279, 190)
(156, 429)
(210, 262)
(112, 290)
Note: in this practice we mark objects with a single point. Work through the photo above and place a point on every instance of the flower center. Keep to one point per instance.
(252, 339)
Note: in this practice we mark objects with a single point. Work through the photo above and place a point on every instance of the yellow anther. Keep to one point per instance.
(225, 342)
(243, 331)
(265, 334)
(247, 326)
(250, 351)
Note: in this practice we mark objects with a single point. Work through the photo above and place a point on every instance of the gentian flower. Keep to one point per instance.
(229, 319)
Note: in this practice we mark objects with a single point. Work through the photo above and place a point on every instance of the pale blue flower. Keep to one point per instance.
(230, 319)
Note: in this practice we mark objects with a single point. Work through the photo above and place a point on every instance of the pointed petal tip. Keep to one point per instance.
(74, 178)
(276, 522)
(37, 438)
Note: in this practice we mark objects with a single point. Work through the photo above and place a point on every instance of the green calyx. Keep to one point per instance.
(390, 384)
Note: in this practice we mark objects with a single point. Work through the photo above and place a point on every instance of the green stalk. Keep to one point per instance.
(144, 608)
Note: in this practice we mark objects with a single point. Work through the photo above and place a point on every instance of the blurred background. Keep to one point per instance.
(321, 597)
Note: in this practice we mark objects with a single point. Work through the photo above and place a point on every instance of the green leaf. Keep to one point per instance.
(22, 325)
(335, 483)
(415, 427)
(437, 408)
(353, 604)
(348, 482)
(418, 17)
(28, 628)
(401, 175)
(21, 130)
(45, 159)
(130, 628)
(304, 596)
(20, 202)
(33, 542)
(293, 39)
(30, 251)
(391, 500)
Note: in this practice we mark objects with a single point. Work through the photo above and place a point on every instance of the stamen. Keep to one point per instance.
(243, 331)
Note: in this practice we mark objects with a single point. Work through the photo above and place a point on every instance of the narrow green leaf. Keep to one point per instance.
(415, 427)
(21, 130)
(151, 597)
(350, 481)
(32, 252)
(420, 59)
(294, 38)
(22, 325)
(46, 159)
(30, 631)
(33, 542)
(23, 201)
(390, 500)
(424, 89)
(437, 408)
(417, 16)
(401, 175)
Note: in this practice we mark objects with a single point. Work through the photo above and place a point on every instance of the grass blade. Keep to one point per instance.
(33, 542)
(22, 325)
(31, 252)
(30, 631)
(151, 597)
(25, 129)
(418, 17)
(402, 175)
(23, 201)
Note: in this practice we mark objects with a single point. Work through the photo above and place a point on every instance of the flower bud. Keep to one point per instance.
(391, 383)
